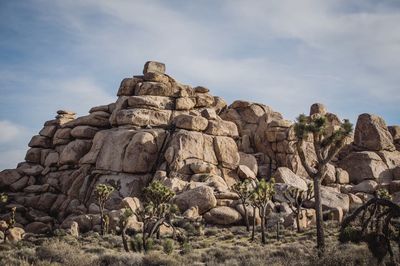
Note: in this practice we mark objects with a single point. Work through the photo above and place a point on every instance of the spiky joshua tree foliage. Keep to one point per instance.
(327, 142)
(296, 198)
(243, 190)
(261, 196)
(102, 194)
(157, 210)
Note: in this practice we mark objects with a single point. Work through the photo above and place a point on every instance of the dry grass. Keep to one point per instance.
(218, 246)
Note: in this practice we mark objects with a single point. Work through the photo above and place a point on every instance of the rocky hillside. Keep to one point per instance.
(192, 142)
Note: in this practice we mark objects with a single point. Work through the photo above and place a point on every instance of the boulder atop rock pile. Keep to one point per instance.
(188, 139)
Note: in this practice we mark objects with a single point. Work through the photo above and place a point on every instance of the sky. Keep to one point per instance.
(64, 54)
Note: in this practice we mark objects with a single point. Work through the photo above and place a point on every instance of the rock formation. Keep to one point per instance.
(192, 142)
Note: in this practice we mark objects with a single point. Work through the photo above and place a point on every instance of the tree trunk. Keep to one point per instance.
(318, 212)
(254, 224)
(144, 242)
(246, 218)
(298, 213)
(102, 221)
(277, 230)
(263, 226)
(124, 240)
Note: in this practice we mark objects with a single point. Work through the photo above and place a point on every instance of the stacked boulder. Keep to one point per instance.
(158, 129)
(373, 161)
(192, 142)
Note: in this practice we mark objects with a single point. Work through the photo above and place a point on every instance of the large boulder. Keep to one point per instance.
(14, 234)
(8, 176)
(366, 186)
(143, 117)
(227, 152)
(141, 152)
(245, 172)
(202, 197)
(154, 67)
(151, 102)
(222, 215)
(96, 119)
(286, 176)
(38, 228)
(249, 160)
(372, 134)
(222, 128)
(190, 122)
(331, 200)
(84, 132)
(111, 155)
(365, 165)
(74, 151)
(186, 145)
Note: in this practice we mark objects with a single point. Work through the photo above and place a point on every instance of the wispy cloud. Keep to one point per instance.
(286, 54)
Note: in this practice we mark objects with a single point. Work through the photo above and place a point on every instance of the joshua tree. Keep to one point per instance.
(262, 194)
(243, 190)
(103, 193)
(157, 210)
(123, 221)
(376, 223)
(254, 206)
(296, 197)
(327, 143)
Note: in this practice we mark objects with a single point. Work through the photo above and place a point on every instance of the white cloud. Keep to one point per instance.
(76, 94)
(10, 131)
(10, 158)
(286, 54)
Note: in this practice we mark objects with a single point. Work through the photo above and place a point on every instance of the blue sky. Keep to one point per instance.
(64, 54)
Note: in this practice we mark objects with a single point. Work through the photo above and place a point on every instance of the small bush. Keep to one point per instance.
(211, 231)
(168, 246)
(61, 252)
(149, 244)
(157, 259)
(186, 248)
(136, 243)
(350, 234)
(118, 259)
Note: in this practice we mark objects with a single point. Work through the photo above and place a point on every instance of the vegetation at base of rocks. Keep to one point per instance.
(327, 143)
(260, 197)
(296, 198)
(103, 193)
(244, 190)
(168, 246)
(157, 211)
(218, 248)
(376, 223)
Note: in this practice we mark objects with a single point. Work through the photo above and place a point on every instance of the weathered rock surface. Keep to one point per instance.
(201, 197)
(365, 165)
(371, 133)
(286, 176)
(196, 145)
(222, 215)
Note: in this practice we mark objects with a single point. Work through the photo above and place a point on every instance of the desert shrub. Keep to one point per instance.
(347, 254)
(212, 231)
(61, 252)
(218, 255)
(119, 259)
(156, 259)
(168, 246)
(149, 244)
(350, 234)
(136, 243)
(378, 245)
(11, 259)
(59, 232)
(186, 248)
